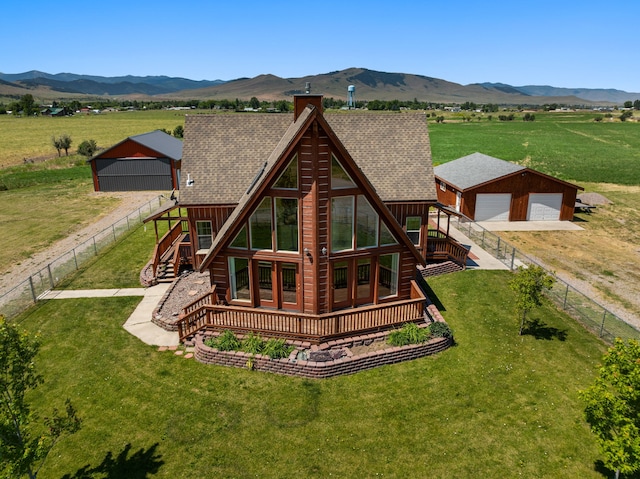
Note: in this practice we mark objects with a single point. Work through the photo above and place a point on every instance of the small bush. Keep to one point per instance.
(410, 333)
(276, 349)
(87, 148)
(227, 341)
(440, 330)
(253, 344)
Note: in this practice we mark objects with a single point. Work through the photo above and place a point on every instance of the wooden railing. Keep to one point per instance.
(207, 299)
(315, 328)
(165, 243)
(446, 249)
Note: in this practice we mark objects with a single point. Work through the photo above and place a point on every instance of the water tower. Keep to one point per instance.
(351, 101)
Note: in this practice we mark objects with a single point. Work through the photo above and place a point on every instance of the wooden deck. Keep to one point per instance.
(315, 328)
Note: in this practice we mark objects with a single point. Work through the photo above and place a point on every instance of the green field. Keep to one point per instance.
(570, 146)
(31, 137)
(495, 405)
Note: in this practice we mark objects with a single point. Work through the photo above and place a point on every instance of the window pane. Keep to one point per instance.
(367, 232)
(265, 280)
(413, 229)
(260, 224)
(342, 223)
(340, 281)
(364, 278)
(287, 224)
(339, 177)
(289, 284)
(239, 278)
(386, 237)
(388, 275)
(205, 238)
(289, 178)
(240, 241)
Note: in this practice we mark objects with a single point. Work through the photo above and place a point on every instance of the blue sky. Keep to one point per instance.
(592, 44)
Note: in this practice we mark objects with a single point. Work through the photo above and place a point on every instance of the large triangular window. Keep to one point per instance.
(339, 178)
(289, 178)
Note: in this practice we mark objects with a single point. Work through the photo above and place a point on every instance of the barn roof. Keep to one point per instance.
(161, 142)
(475, 169)
(224, 152)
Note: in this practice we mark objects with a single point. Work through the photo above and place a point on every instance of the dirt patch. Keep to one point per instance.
(603, 260)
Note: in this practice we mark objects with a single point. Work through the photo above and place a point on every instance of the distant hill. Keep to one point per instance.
(592, 94)
(98, 85)
(370, 85)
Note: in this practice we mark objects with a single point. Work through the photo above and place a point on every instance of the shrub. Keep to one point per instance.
(440, 330)
(227, 341)
(410, 333)
(253, 344)
(276, 349)
(87, 148)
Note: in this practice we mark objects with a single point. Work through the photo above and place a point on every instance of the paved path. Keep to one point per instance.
(478, 258)
(139, 323)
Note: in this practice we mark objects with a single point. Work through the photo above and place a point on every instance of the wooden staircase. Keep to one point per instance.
(166, 271)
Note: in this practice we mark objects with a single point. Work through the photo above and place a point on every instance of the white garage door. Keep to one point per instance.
(544, 206)
(493, 207)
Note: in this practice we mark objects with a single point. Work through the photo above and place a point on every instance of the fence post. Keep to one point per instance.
(498, 249)
(566, 293)
(513, 257)
(483, 232)
(33, 290)
(113, 230)
(50, 275)
(128, 227)
(95, 248)
(604, 316)
(75, 259)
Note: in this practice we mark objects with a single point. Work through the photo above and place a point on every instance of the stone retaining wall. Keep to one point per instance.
(348, 364)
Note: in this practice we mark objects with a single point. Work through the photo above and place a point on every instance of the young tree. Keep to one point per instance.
(57, 144)
(65, 142)
(528, 284)
(22, 452)
(178, 131)
(613, 407)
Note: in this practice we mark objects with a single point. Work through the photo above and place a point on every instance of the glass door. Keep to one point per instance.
(341, 276)
(265, 284)
(288, 285)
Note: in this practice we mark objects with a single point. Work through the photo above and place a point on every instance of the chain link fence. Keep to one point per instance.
(25, 294)
(593, 316)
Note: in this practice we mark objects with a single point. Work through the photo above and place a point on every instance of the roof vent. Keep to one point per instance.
(190, 181)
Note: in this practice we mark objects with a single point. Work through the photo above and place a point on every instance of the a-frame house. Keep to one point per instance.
(310, 229)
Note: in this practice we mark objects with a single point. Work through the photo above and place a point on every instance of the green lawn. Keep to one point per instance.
(496, 404)
(572, 147)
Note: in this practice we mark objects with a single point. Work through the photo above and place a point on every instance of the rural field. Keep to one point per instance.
(602, 157)
(496, 404)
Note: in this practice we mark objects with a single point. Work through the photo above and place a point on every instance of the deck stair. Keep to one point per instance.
(437, 269)
(165, 272)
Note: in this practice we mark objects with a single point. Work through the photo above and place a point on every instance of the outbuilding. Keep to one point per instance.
(485, 188)
(150, 161)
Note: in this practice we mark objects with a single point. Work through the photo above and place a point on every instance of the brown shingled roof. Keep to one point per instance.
(223, 153)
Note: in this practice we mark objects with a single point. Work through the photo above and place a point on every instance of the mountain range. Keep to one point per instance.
(369, 84)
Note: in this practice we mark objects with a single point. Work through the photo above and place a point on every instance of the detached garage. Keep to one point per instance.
(150, 161)
(484, 188)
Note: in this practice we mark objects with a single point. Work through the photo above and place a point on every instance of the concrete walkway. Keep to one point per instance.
(139, 323)
(478, 258)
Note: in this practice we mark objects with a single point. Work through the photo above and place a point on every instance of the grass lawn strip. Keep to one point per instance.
(496, 402)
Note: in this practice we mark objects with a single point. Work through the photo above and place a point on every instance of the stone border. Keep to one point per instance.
(297, 364)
